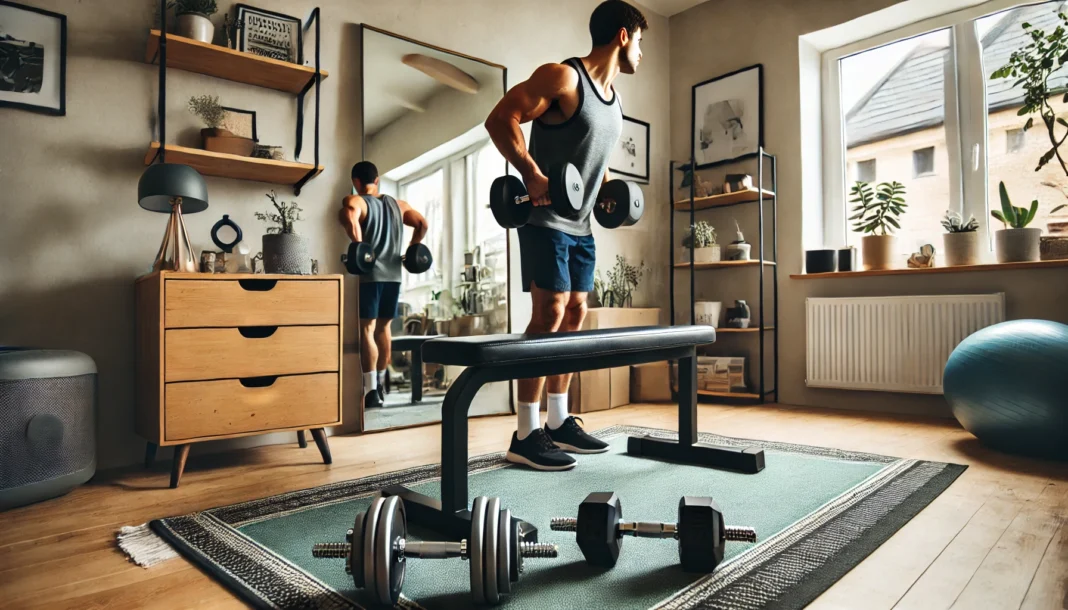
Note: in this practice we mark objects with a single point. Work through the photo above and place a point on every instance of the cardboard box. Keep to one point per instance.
(609, 388)
(650, 382)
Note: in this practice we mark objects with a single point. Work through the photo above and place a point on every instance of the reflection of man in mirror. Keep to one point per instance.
(377, 219)
(576, 118)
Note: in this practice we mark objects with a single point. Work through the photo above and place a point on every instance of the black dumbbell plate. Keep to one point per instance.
(700, 534)
(506, 211)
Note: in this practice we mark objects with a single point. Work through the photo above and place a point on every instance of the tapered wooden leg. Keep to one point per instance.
(150, 453)
(301, 440)
(181, 453)
(320, 441)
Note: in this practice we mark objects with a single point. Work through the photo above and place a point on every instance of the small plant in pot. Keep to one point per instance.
(192, 17)
(1017, 242)
(702, 238)
(284, 251)
(618, 289)
(961, 239)
(875, 215)
(214, 137)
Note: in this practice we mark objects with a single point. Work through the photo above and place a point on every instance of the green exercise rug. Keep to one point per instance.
(817, 512)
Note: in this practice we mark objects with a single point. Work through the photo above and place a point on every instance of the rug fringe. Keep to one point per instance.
(143, 546)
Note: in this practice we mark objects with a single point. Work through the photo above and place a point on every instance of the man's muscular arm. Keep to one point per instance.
(413, 219)
(523, 103)
(352, 213)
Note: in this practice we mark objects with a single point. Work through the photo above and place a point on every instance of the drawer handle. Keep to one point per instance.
(256, 332)
(257, 285)
(258, 382)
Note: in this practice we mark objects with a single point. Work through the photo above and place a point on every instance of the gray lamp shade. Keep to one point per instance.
(164, 181)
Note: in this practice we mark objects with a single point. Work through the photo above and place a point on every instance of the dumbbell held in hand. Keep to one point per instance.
(700, 531)
(511, 204)
(417, 258)
(620, 203)
(360, 258)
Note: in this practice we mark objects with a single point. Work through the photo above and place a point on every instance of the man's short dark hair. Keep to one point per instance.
(365, 172)
(611, 16)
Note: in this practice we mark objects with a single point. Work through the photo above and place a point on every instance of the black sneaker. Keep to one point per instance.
(538, 451)
(373, 400)
(571, 437)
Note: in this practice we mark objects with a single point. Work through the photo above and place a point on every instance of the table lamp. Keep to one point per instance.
(173, 188)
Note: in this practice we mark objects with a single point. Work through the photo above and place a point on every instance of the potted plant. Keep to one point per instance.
(738, 250)
(214, 137)
(1016, 242)
(284, 251)
(874, 216)
(618, 289)
(702, 238)
(961, 239)
(192, 19)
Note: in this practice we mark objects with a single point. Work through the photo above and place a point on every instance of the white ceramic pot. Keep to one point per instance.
(738, 252)
(195, 26)
(1017, 245)
(961, 248)
(878, 251)
(710, 254)
(707, 312)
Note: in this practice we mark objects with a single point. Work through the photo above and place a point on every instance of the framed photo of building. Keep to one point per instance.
(269, 34)
(631, 155)
(728, 117)
(33, 59)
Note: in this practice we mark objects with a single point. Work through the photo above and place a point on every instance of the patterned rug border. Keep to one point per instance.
(788, 570)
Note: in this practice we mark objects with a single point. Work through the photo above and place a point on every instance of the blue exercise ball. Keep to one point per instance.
(1008, 385)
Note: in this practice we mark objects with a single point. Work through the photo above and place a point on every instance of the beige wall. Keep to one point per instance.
(723, 35)
(73, 239)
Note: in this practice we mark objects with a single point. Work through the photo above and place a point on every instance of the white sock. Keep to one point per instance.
(369, 384)
(557, 409)
(527, 421)
(382, 378)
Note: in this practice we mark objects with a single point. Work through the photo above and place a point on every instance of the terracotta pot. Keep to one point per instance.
(223, 141)
(195, 26)
(961, 248)
(1017, 245)
(710, 254)
(878, 251)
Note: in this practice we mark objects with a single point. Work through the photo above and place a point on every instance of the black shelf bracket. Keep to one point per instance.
(315, 81)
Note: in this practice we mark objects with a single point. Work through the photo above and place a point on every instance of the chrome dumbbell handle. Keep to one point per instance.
(430, 550)
(331, 550)
(647, 529)
(521, 199)
(538, 550)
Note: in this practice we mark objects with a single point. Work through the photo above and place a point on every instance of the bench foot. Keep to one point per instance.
(747, 460)
(426, 511)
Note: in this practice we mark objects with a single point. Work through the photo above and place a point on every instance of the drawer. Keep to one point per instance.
(227, 353)
(231, 407)
(250, 302)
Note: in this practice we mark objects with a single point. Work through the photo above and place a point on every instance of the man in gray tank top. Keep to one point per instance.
(577, 118)
(377, 219)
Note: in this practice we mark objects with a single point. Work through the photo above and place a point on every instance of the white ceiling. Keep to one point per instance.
(668, 8)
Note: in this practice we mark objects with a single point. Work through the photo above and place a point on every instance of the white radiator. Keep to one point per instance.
(892, 344)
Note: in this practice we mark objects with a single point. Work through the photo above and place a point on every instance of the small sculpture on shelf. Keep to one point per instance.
(922, 259)
(737, 182)
(739, 315)
(738, 250)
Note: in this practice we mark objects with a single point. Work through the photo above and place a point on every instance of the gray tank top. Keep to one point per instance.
(384, 231)
(586, 140)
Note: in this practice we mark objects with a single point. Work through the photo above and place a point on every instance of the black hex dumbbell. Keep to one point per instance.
(700, 531)
(620, 203)
(417, 259)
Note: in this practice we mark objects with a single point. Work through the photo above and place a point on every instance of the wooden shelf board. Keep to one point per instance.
(930, 270)
(728, 394)
(754, 329)
(218, 61)
(715, 201)
(234, 166)
(721, 264)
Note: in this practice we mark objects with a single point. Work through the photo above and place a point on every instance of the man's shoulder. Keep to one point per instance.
(558, 75)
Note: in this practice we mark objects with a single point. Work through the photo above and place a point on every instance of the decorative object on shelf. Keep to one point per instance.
(618, 288)
(216, 137)
(738, 250)
(739, 315)
(257, 263)
(241, 123)
(1017, 242)
(33, 59)
(231, 27)
(722, 374)
(702, 239)
(207, 261)
(315, 266)
(174, 189)
(193, 19)
(284, 251)
(727, 119)
(961, 240)
(847, 259)
(631, 155)
(269, 34)
(737, 182)
(923, 259)
(1053, 247)
(707, 312)
(235, 253)
(821, 261)
(261, 151)
(874, 215)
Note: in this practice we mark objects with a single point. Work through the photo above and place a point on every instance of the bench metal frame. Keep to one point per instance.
(451, 515)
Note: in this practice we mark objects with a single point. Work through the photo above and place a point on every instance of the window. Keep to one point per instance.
(1014, 140)
(923, 162)
(866, 171)
(426, 196)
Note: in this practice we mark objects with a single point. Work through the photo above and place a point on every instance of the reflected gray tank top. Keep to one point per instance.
(384, 230)
(586, 140)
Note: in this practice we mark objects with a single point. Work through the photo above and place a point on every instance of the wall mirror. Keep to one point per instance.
(423, 114)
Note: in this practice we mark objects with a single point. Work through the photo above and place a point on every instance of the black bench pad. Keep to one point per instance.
(499, 350)
(406, 343)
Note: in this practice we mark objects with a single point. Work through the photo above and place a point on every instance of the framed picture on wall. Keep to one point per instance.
(269, 34)
(33, 59)
(242, 123)
(631, 155)
(728, 117)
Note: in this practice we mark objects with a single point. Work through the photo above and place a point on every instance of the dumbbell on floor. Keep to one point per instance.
(700, 531)
(511, 203)
(377, 546)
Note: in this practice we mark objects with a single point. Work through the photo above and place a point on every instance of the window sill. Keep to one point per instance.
(930, 270)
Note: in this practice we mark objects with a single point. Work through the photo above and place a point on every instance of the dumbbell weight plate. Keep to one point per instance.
(505, 551)
(370, 530)
(490, 550)
(390, 572)
(701, 536)
(566, 190)
(360, 258)
(356, 553)
(474, 547)
(628, 207)
(418, 259)
(506, 211)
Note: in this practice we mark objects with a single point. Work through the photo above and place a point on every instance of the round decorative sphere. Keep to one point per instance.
(1008, 385)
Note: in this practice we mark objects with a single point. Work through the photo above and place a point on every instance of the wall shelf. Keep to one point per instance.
(726, 199)
(721, 264)
(218, 61)
(234, 166)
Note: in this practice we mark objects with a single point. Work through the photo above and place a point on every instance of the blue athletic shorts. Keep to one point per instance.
(379, 299)
(556, 261)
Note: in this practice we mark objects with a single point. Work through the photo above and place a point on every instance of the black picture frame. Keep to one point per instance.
(255, 137)
(644, 177)
(61, 110)
(759, 68)
(239, 19)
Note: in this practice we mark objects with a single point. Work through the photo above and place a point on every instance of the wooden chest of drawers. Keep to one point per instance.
(222, 356)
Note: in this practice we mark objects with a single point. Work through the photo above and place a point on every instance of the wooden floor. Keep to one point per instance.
(996, 539)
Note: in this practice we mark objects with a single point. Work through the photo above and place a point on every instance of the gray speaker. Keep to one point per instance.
(47, 424)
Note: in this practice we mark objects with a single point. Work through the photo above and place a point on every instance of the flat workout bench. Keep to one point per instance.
(492, 358)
